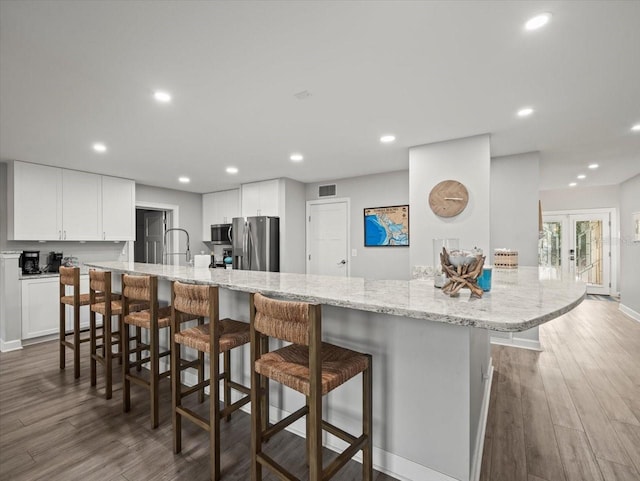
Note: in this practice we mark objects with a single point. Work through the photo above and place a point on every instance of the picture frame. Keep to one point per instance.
(386, 226)
(635, 217)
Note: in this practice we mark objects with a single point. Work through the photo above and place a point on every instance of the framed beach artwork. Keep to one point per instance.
(386, 226)
(636, 226)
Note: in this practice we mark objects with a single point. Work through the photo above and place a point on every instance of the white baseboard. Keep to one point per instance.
(517, 342)
(6, 346)
(635, 315)
(38, 340)
(476, 466)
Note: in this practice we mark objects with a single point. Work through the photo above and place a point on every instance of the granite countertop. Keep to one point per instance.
(519, 299)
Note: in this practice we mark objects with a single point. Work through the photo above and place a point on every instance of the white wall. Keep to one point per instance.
(629, 250)
(580, 198)
(376, 190)
(515, 183)
(467, 161)
(292, 227)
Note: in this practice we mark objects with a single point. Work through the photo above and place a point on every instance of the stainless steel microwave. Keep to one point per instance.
(221, 234)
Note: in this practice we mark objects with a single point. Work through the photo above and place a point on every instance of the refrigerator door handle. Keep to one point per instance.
(254, 247)
(245, 247)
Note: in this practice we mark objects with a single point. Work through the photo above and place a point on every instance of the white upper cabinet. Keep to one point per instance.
(34, 200)
(219, 208)
(118, 209)
(81, 206)
(261, 198)
(49, 203)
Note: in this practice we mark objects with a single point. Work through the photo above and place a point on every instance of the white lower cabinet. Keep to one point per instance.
(40, 306)
(40, 313)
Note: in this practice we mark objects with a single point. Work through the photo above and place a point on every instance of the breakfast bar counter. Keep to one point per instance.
(431, 353)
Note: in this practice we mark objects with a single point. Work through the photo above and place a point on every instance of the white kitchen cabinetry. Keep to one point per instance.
(34, 201)
(81, 206)
(49, 203)
(40, 313)
(118, 209)
(261, 198)
(219, 208)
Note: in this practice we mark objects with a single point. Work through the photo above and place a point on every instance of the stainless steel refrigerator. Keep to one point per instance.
(256, 243)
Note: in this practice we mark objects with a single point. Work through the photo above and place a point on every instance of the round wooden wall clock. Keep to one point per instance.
(448, 198)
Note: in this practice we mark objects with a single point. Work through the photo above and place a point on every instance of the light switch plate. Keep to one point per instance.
(354, 252)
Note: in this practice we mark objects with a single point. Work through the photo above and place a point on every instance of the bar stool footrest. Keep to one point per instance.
(283, 423)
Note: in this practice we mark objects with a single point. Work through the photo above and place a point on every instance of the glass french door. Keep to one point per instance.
(578, 244)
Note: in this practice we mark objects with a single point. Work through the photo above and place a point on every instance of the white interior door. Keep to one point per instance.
(579, 244)
(328, 237)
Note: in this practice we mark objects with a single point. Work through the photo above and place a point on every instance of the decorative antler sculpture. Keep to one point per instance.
(464, 273)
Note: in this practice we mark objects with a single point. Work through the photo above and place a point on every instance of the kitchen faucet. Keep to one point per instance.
(187, 253)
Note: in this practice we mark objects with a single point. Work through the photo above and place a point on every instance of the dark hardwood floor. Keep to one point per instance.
(571, 412)
(55, 428)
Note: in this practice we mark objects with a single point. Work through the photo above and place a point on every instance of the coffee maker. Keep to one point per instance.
(54, 261)
(30, 262)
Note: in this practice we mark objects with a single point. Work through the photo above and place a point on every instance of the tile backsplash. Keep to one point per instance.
(84, 251)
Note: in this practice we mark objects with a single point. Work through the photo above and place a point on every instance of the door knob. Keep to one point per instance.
(342, 262)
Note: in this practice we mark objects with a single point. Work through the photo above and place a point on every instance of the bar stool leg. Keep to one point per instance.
(367, 421)
(227, 377)
(126, 368)
(214, 414)
(92, 346)
(63, 329)
(138, 352)
(315, 437)
(257, 422)
(108, 353)
(201, 367)
(176, 399)
(76, 341)
(154, 375)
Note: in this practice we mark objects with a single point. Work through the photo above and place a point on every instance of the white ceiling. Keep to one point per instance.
(73, 73)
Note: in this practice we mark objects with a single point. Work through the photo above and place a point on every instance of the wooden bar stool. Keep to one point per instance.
(104, 302)
(313, 368)
(145, 289)
(214, 338)
(70, 276)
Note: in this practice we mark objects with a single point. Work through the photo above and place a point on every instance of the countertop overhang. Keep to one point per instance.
(519, 299)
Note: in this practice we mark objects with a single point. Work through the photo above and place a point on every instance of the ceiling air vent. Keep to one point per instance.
(327, 190)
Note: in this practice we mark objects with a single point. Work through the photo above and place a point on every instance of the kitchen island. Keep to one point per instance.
(431, 358)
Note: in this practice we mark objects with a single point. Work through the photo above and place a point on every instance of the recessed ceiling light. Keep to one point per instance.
(99, 147)
(593, 166)
(525, 112)
(385, 139)
(232, 170)
(538, 21)
(162, 96)
(582, 176)
(636, 128)
(296, 157)
(573, 184)
(184, 180)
